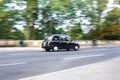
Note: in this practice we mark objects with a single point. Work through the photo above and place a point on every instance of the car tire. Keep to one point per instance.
(55, 48)
(47, 49)
(76, 48)
(68, 49)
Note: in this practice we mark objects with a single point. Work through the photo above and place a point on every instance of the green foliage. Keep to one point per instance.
(48, 22)
(76, 32)
(17, 34)
(60, 31)
(32, 9)
(110, 29)
(61, 5)
(30, 16)
(54, 13)
(87, 36)
(101, 5)
(111, 33)
(39, 34)
(7, 19)
(3, 2)
(107, 33)
(94, 10)
(113, 17)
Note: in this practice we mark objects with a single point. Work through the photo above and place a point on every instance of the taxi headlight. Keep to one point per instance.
(44, 44)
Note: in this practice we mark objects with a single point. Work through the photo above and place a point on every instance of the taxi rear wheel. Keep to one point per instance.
(55, 48)
(68, 49)
(47, 49)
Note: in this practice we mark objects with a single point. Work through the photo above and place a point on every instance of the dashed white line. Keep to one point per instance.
(13, 64)
(83, 57)
(96, 50)
(24, 54)
(6, 51)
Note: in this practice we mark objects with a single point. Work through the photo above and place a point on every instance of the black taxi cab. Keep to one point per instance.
(56, 42)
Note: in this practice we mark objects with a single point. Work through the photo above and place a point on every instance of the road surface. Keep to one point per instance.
(25, 63)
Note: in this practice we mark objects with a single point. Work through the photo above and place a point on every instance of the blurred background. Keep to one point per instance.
(80, 19)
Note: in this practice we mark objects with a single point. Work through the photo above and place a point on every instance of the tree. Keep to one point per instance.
(30, 16)
(111, 29)
(17, 34)
(48, 22)
(113, 17)
(63, 6)
(60, 31)
(39, 34)
(110, 33)
(95, 11)
(50, 14)
(7, 19)
(90, 10)
(76, 32)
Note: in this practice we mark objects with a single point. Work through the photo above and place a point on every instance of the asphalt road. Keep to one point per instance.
(19, 64)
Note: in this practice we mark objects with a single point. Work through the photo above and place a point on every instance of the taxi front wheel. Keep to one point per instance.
(76, 48)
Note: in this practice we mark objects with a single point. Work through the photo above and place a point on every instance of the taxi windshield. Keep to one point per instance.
(47, 38)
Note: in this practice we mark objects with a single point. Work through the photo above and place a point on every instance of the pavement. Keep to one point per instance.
(39, 48)
(107, 70)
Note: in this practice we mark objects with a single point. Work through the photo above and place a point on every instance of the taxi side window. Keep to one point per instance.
(56, 38)
(64, 38)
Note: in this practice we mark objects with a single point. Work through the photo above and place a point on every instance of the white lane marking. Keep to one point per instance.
(6, 51)
(83, 57)
(12, 64)
(24, 54)
(96, 50)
